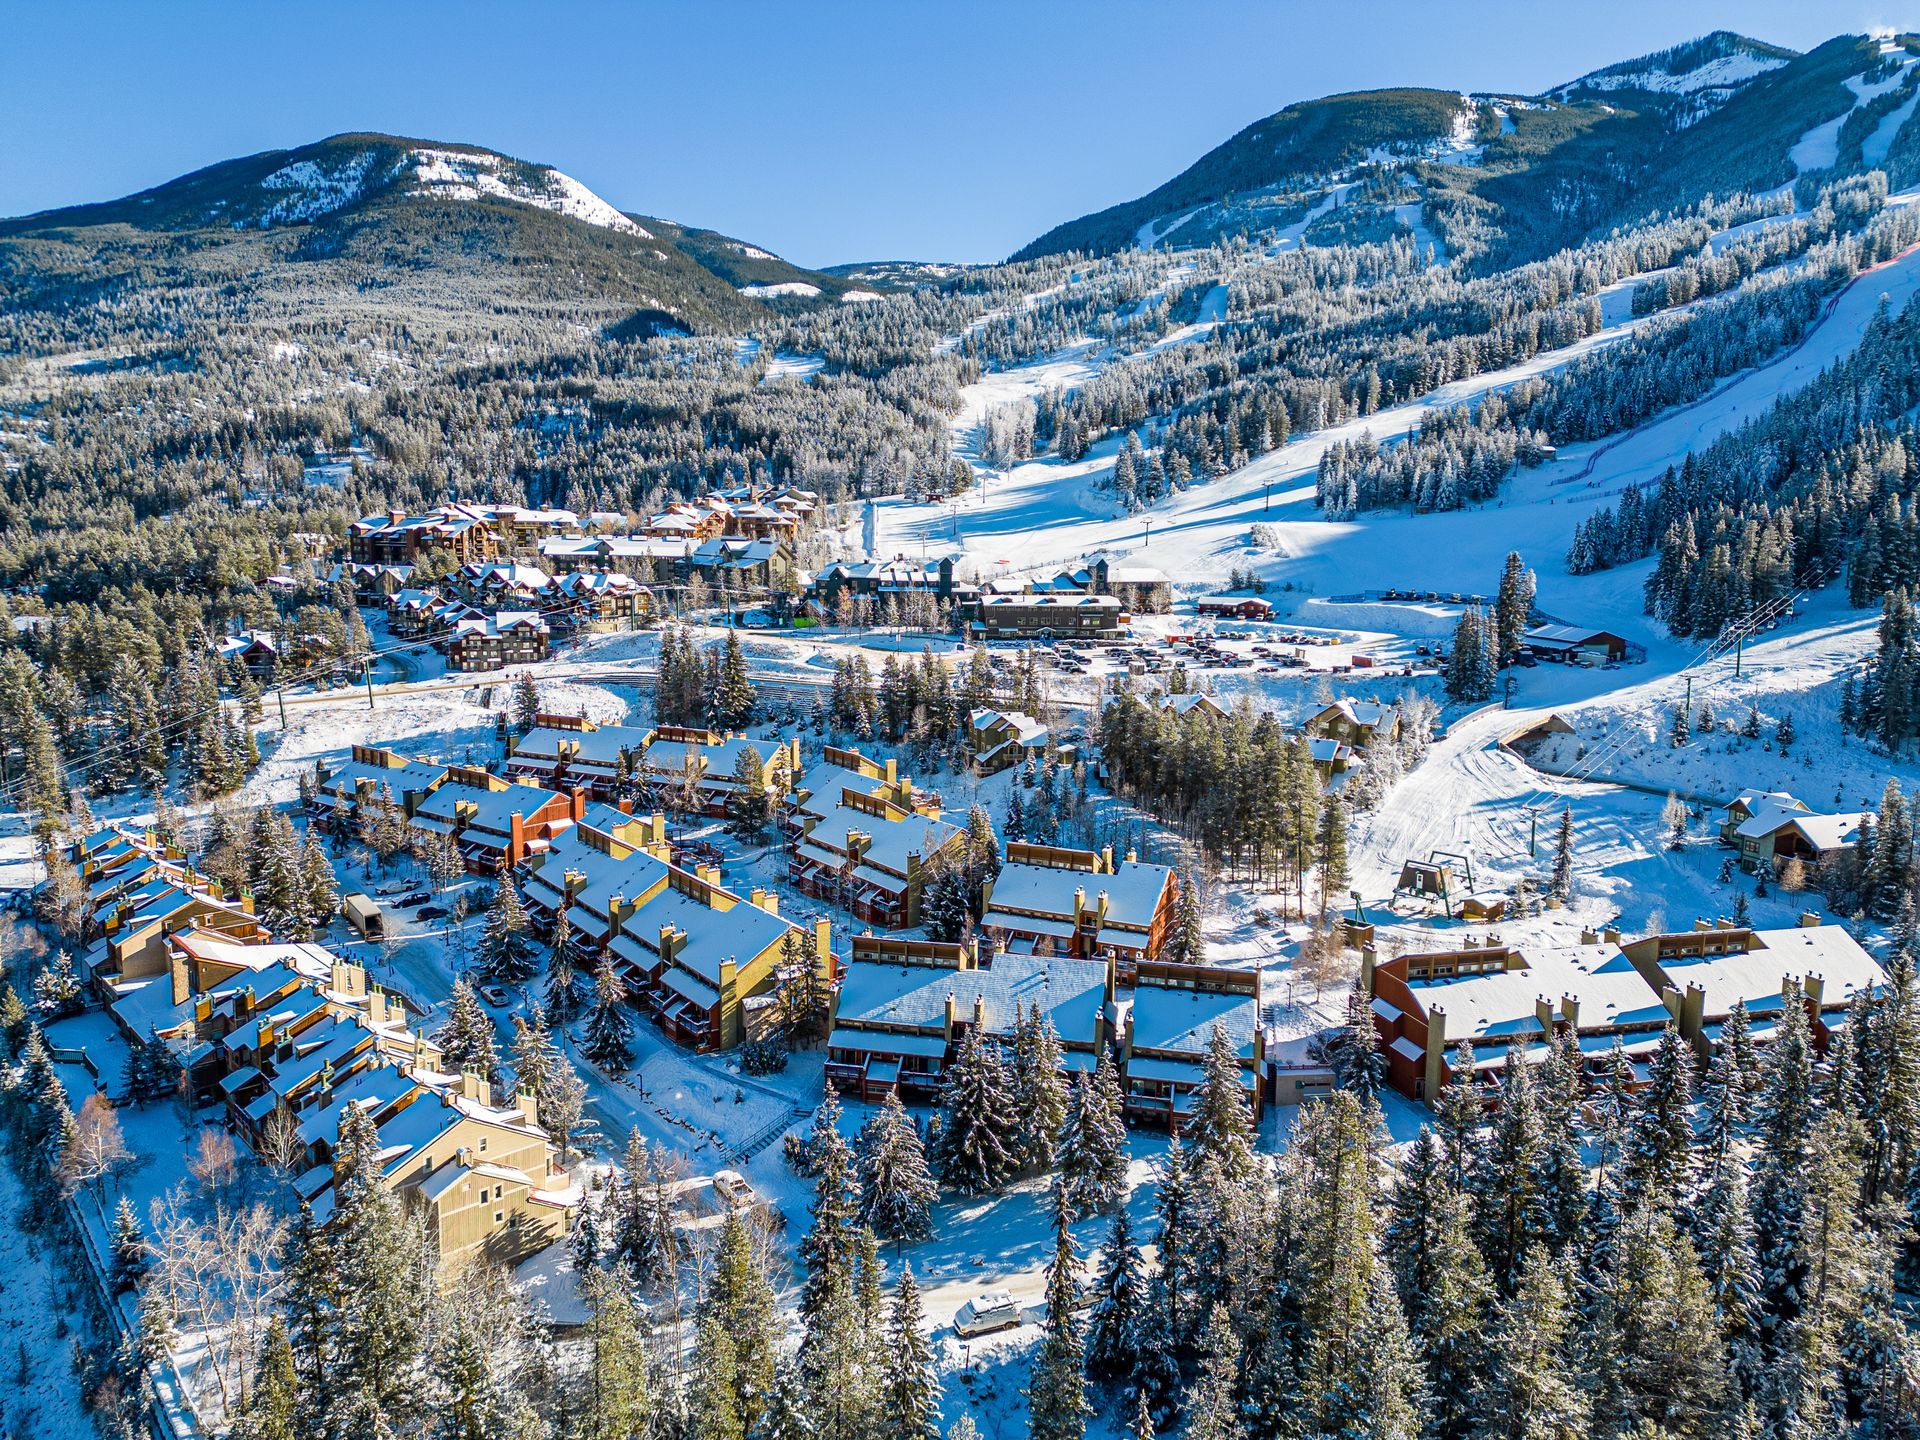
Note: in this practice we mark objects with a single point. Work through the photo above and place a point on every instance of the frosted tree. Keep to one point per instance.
(1057, 1393)
(1040, 1094)
(1213, 1411)
(897, 1190)
(976, 1151)
(1114, 1328)
(466, 1040)
(910, 1403)
(506, 955)
(1561, 885)
(608, 1040)
(1221, 1126)
(565, 996)
(1092, 1155)
(1534, 1386)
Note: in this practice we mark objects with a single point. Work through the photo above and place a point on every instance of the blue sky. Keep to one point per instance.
(827, 131)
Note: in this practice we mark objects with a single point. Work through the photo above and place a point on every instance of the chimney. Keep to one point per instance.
(1809, 920)
(529, 1108)
(475, 1087)
(1106, 860)
(1587, 937)
(1610, 935)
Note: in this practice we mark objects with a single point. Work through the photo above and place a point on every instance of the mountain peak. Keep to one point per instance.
(311, 182)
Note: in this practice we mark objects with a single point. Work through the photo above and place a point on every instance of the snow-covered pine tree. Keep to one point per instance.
(565, 996)
(1353, 1050)
(1057, 1393)
(1213, 1409)
(466, 1040)
(897, 1189)
(608, 1040)
(128, 1247)
(1040, 1094)
(1114, 1327)
(910, 1404)
(1187, 945)
(506, 955)
(1662, 1130)
(976, 1151)
(1221, 1126)
(1092, 1156)
(1561, 885)
(1534, 1385)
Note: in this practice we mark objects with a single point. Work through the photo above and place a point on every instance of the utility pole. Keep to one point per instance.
(1739, 644)
(1689, 695)
(366, 673)
(280, 694)
(1533, 831)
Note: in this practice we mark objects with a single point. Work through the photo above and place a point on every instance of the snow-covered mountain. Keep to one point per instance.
(1594, 150)
(456, 210)
(300, 186)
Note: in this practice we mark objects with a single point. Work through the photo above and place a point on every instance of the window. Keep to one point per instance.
(499, 1218)
(497, 1191)
(483, 1144)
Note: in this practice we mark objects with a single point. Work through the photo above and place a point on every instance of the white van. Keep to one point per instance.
(987, 1313)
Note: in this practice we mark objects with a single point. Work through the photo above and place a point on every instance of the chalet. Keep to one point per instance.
(1052, 901)
(372, 584)
(838, 769)
(485, 1174)
(1171, 1013)
(1359, 723)
(868, 853)
(1494, 997)
(633, 555)
(999, 739)
(737, 563)
(904, 1005)
(521, 528)
(1331, 757)
(884, 579)
(496, 584)
(1771, 827)
(464, 534)
(698, 771)
(1140, 588)
(257, 651)
(686, 522)
(132, 916)
(1048, 616)
(493, 823)
(599, 599)
(1236, 607)
(1701, 973)
(493, 642)
(426, 613)
(339, 793)
(1573, 644)
(1194, 702)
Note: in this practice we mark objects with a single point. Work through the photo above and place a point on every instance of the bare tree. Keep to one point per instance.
(97, 1148)
(218, 1273)
(280, 1144)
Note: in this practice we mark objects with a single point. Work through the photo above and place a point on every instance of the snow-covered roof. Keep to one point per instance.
(1598, 975)
(1755, 975)
(1170, 1018)
(1069, 992)
(1133, 891)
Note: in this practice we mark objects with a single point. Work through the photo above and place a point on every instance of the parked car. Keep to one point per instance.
(987, 1313)
(418, 897)
(433, 912)
(496, 996)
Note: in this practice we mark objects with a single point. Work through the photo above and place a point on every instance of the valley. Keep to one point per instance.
(1286, 815)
